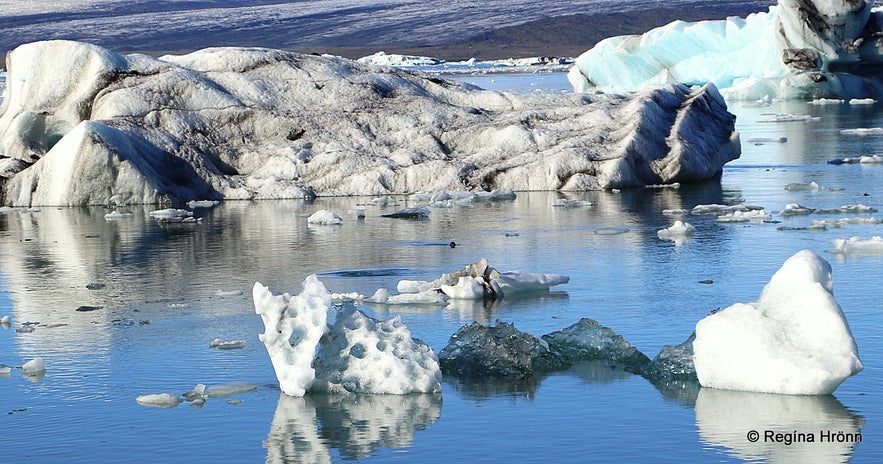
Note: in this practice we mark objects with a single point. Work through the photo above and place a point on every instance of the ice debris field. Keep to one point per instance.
(793, 340)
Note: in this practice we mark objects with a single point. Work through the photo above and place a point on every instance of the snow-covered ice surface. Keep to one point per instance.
(798, 50)
(84, 125)
(793, 340)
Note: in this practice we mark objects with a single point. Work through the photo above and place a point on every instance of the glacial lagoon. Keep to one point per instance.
(161, 293)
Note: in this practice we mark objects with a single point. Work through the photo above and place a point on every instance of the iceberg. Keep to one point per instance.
(83, 125)
(478, 351)
(356, 354)
(799, 49)
(587, 340)
(793, 340)
(481, 281)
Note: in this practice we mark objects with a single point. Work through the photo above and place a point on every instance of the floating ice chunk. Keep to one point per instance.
(827, 101)
(5, 370)
(563, 203)
(293, 326)
(674, 212)
(410, 213)
(862, 101)
(5, 320)
(229, 293)
(198, 392)
(858, 246)
(170, 214)
(229, 389)
(227, 345)
(159, 400)
(496, 195)
(357, 212)
(675, 185)
(760, 140)
(678, 232)
(757, 215)
(117, 215)
(868, 159)
(718, 210)
(863, 131)
(380, 201)
(611, 230)
(34, 368)
(393, 59)
(324, 217)
(587, 340)
(800, 186)
(673, 364)
(472, 288)
(791, 117)
(479, 280)
(794, 209)
(193, 204)
(431, 296)
(477, 350)
(364, 355)
(793, 340)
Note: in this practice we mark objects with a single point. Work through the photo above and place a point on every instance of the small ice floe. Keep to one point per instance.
(196, 397)
(868, 159)
(793, 340)
(5, 322)
(34, 368)
(359, 213)
(26, 327)
(229, 389)
(5, 370)
(227, 345)
(229, 293)
(324, 217)
(611, 230)
(174, 215)
(678, 212)
(380, 201)
(444, 199)
(827, 101)
(496, 195)
(857, 246)
(675, 185)
(719, 210)
(159, 400)
(763, 140)
(349, 296)
(791, 117)
(802, 186)
(95, 286)
(117, 215)
(178, 305)
(862, 101)
(678, 232)
(565, 203)
(410, 213)
(794, 209)
(755, 215)
(863, 131)
(193, 204)
(480, 281)
(431, 297)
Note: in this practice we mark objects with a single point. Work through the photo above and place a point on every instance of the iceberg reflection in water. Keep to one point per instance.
(789, 428)
(307, 429)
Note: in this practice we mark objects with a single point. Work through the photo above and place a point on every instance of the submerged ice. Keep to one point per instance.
(356, 354)
(83, 125)
(806, 49)
(793, 340)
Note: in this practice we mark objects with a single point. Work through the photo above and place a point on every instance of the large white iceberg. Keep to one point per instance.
(793, 340)
(804, 49)
(357, 354)
(83, 125)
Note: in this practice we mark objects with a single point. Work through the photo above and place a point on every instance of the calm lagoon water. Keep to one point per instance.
(160, 310)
